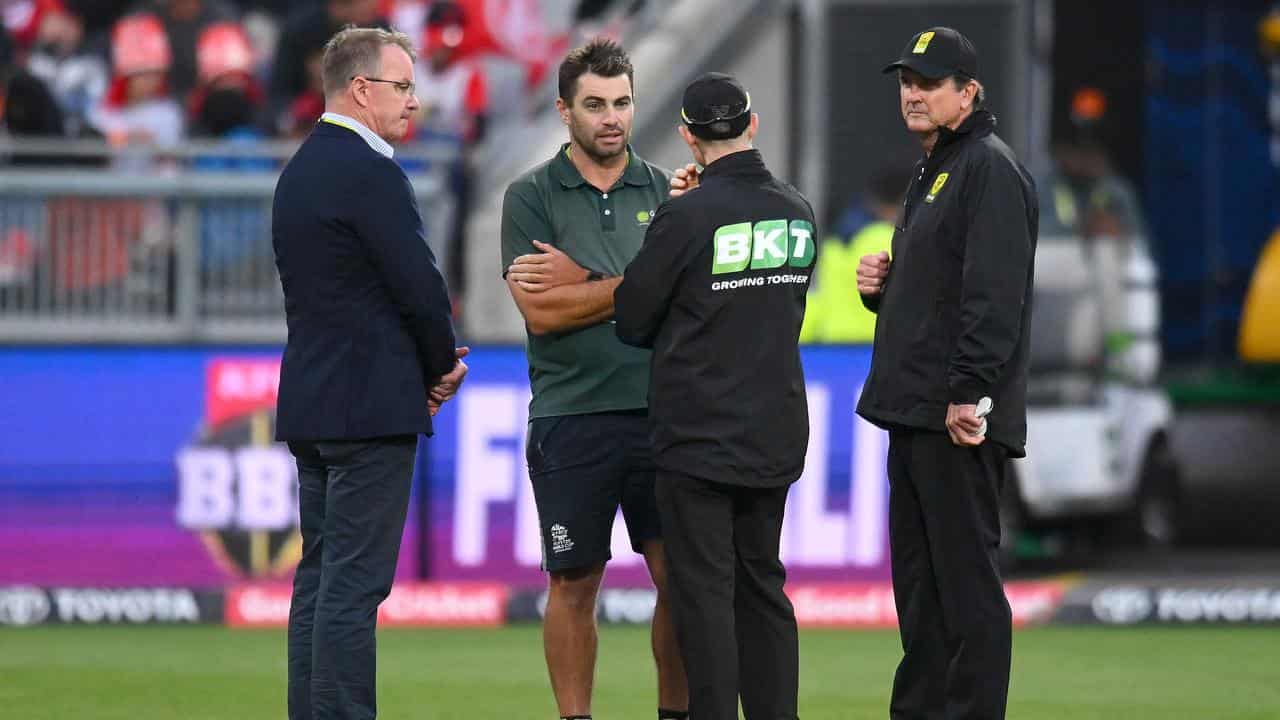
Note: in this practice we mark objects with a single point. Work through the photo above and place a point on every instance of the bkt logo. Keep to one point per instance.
(767, 244)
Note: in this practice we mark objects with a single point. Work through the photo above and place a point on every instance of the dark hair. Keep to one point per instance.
(602, 57)
(960, 80)
(224, 109)
(32, 109)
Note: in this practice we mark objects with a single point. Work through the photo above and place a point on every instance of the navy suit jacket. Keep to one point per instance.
(370, 326)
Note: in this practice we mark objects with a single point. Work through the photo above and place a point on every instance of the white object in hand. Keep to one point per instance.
(984, 409)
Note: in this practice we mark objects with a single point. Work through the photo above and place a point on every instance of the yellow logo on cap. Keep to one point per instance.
(923, 43)
(938, 182)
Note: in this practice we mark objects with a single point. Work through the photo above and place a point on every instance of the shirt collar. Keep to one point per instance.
(382, 147)
(736, 163)
(569, 176)
(980, 123)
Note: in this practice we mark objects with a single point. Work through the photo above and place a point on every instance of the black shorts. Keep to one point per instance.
(582, 468)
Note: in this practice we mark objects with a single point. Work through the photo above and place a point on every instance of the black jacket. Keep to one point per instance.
(726, 390)
(954, 311)
(369, 319)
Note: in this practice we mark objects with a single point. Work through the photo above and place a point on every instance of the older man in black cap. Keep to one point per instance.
(718, 292)
(948, 381)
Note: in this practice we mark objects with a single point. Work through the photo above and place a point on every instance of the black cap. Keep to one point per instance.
(938, 53)
(716, 107)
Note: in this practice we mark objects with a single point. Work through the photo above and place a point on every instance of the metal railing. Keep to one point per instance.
(171, 256)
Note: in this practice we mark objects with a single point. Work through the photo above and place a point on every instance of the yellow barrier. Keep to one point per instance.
(1260, 321)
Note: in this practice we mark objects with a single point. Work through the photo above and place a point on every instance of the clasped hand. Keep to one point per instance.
(447, 386)
(963, 425)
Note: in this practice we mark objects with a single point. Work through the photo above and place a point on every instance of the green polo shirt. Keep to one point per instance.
(587, 370)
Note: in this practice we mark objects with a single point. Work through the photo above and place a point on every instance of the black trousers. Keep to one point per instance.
(944, 528)
(352, 500)
(736, 628)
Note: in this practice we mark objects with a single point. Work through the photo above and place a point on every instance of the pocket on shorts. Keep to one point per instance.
(539, 451)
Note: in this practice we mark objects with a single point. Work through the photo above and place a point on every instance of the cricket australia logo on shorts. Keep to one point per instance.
(560, 541)
(764, 245)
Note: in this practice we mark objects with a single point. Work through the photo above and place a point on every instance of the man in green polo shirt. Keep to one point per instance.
(583, 215)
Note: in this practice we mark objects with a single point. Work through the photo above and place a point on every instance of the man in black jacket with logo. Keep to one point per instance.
(951, 346)
(718, 292)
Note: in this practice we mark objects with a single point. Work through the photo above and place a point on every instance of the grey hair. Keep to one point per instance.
(979, 97)
(356, 51)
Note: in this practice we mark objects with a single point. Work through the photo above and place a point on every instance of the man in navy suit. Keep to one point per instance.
(369, 360)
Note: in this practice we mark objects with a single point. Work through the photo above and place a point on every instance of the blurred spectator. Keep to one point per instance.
(183, 21)
(22, 19)
(519, 31)
(18, 255)
(410, 18)
(129, 247)
(226, 112)
(512, 29)
(263, 30)
(99, 17)
(455, 104)
(298, 53)
(304, 110)
(233, 256)
(138, 107)
(224, 106)
(31, 110)
(1083, 194)
(1083, 200)
(451, 85)
(835, 313)
(276, 8)
(76, 77)
(226, 98)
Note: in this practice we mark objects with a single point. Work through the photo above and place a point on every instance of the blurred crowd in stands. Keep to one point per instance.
(149, 75)
(161, 71)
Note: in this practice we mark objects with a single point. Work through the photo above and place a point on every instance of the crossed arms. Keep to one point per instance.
(553, 293)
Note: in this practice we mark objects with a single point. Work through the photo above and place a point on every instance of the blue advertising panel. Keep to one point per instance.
(150, 466)
(155, 466)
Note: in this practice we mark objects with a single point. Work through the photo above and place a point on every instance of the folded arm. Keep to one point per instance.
(565, 307)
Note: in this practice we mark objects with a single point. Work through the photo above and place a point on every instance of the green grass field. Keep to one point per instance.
(203, 673)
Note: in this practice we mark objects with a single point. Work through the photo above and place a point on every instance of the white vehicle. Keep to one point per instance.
(1097, 424)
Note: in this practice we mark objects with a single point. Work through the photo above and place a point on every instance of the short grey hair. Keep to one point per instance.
(358, 51)
(979, 97)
